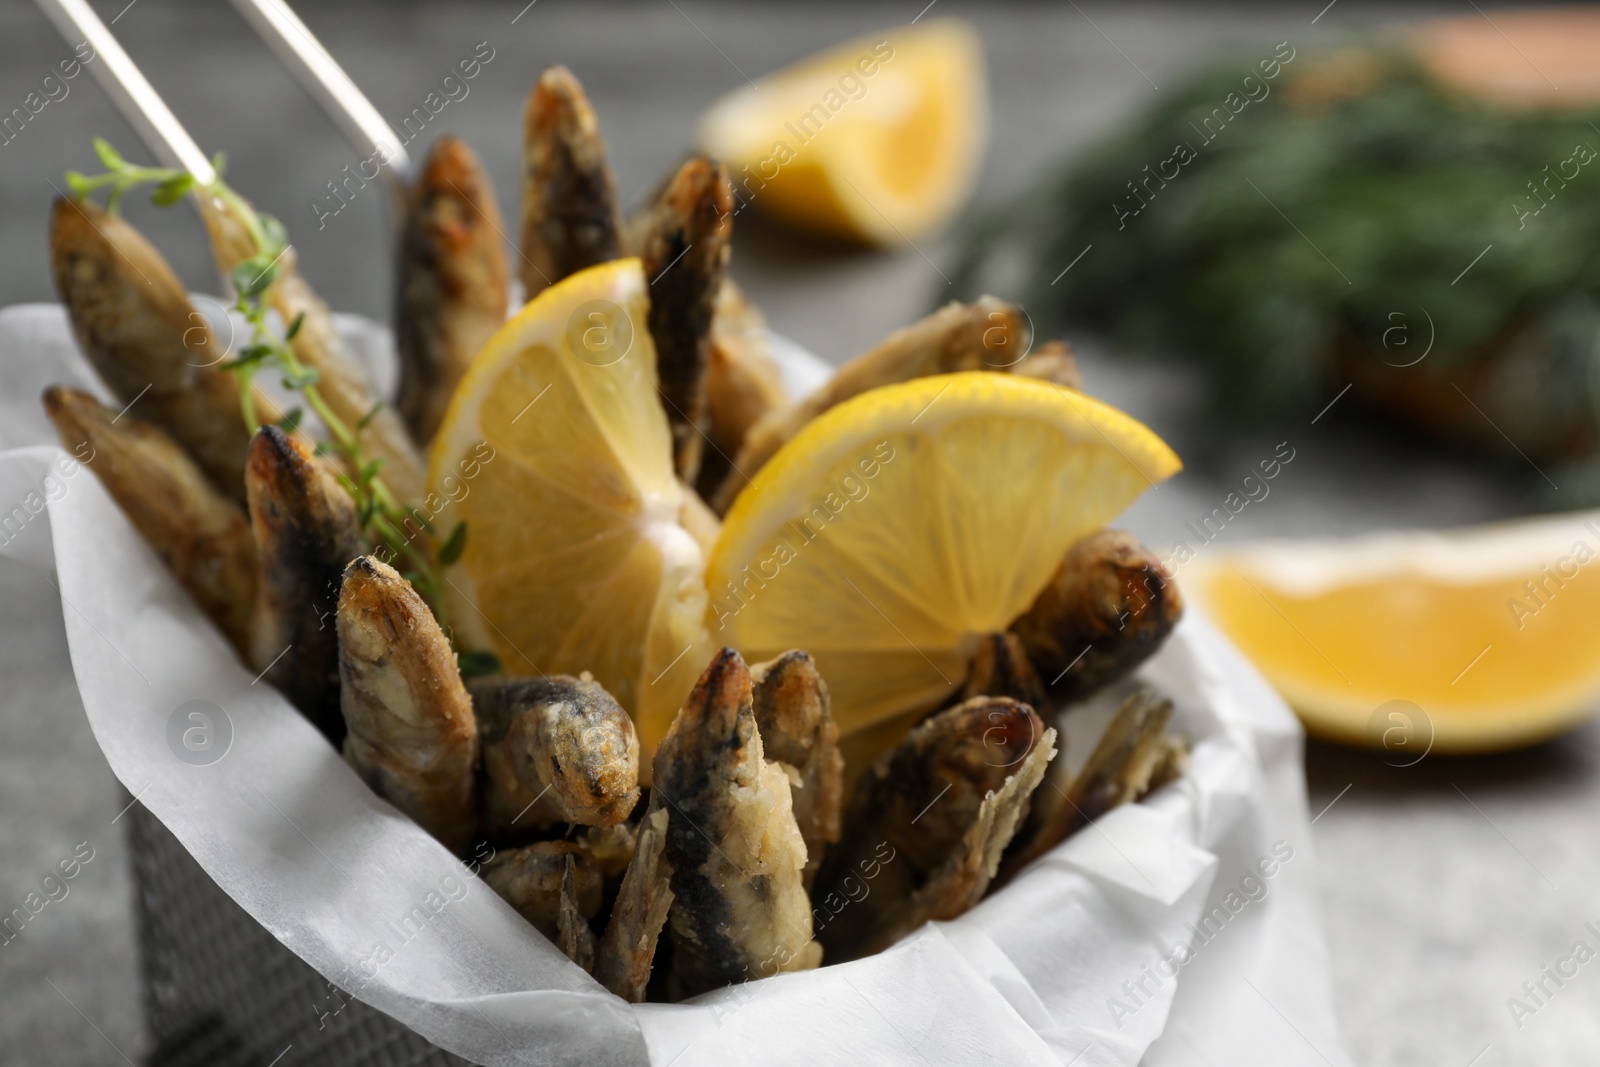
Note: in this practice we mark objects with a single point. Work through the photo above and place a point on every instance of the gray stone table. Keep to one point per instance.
(1444, 886)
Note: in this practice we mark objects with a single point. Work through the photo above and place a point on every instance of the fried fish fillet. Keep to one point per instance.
(201, 535)
(133, 319)
(317, 344)
(451, 286)
(685, 260)
(739, 910)
(798, 732)
(958, 337)
(1001, 668)
(925, 827)
(306, 532)
(628, 947)
(556, 749)
(1107, 609)
(569, 198)
(556, 886)
(411, 737)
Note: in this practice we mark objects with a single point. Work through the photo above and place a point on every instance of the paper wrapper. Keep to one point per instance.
(1181, 930)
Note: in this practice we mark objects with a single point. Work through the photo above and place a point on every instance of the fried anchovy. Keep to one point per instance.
(740, 909)
(742, 382)
(556, 749)
(317, 344)
(574, 935)
(134, 321)
(411, 737)
(451, 284)
(1001, 668)
(921, 825)
(569, 199)
(201, 535)
(1170, 763)
(798, 732)
(1052, 361)
(555, 885)
(628, 946)
(1118, 771)
(1107, 609)
(958, 337)
(306, 531)
(685, 259)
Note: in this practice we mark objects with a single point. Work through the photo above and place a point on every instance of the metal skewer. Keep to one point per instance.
(134, 96)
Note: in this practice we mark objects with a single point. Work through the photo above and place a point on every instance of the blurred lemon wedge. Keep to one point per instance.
(876, 140)
(1492, 632)
(557, 456)
(896, 529)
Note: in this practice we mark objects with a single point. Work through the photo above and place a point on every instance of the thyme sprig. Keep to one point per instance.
(382, 515)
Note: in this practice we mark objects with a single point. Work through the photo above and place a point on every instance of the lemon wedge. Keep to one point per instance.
(1487, 636)
(876, 140)
(556, 454)
(896, 529)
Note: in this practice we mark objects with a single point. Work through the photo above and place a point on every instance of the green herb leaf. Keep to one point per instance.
(370, 468)
(254, 275)
(172, 190)
(322, 449)
(277, 237)
(294, 327)
(219, 163)
(477, 663)
(291, 422)
(80, 185)
(366, 419)
(450, 551)
(299, 379)
(109, 157)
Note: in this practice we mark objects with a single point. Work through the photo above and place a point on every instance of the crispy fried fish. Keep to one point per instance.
(555, 885)
(451, 284)
(1118, 771)
(925, 827)
(740, 910)
(318, 345)
(742, 382)
(202, 535)
(798, 732)
(685, 260)
(411, 737)
(1001, 668)
(1107, 609)
(958, 337)
(569, 199)
(134, 321)
(556, 749)
(306, 531)
(1052, 361)
(628, 947)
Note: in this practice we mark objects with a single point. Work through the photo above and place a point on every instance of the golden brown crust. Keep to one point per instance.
(685, 259)
(317, 344)
(451, 286)
(742, 383)
(982, 335)
(530, 880)
(1053, 362)
(1107, 609)
(569, 199)
(1001, 668)
(556, 750)
(133, 319)
(201, 535)
(798, 731)
(628, 947)
(412, 736)
(306, 531)
(909, 816)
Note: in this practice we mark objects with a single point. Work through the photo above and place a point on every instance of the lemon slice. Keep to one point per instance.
(1472, 641)
(557, 456)
(875, 140)
(896, 529)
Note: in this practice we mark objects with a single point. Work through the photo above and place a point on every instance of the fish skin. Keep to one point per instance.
(556, 750)
(685, 259)
(411, 733)
(627, 949)
(740, 909)
(1107, 609)
(797, 730)
(202, 535)
(306, 532)
(958, 337)
(451, 290)
(569, 198)
(341, 381)
(1001, 668)
(133, 320)
(912, 813)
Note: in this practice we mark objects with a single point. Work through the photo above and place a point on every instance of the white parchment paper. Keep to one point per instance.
(1178, 931)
